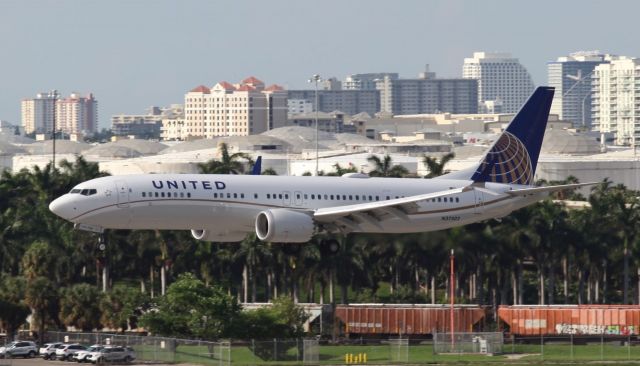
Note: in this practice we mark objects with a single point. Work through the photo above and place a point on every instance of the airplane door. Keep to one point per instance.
(479, 203)
(123, 194)
(286, 198)
(297, 198)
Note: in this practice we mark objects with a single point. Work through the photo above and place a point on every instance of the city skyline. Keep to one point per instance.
(137, 54)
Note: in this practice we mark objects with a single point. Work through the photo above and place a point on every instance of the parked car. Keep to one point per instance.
(49, 349)
(81, 356)
(19, 348)
(66, 351)
(112, 354)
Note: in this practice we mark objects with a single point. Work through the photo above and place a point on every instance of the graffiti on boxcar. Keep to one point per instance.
(593, 329)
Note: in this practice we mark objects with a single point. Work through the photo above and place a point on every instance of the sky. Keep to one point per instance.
(132, 54)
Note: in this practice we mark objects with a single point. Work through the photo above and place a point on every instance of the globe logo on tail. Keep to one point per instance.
(507, 162)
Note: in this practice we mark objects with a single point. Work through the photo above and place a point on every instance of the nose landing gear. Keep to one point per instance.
(102, 246)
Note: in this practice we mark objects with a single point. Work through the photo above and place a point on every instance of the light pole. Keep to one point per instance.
(316, 79)
(54, 95)
(579, 79)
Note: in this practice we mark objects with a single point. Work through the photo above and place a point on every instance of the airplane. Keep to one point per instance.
(291, 209)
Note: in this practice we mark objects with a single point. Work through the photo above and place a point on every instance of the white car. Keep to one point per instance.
(112, 354)
(65, 351)
(82, 356)
(19, 348)
(49, 349)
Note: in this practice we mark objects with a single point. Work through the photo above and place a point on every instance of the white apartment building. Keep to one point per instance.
(616, 99)
(241, 109)
(500, 78)
(73, 115)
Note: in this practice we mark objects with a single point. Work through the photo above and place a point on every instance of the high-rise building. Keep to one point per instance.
(500, 78)
(615, 99)
(348, 101)
(242, 109)
(366, 81)
(427, 94)
(571, 77)
(74, 114)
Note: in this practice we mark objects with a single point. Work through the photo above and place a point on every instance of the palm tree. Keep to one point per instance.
(228, 163)
(385, 168)
(41, 296)
(253, 254)
(80, 306)
(436, 168)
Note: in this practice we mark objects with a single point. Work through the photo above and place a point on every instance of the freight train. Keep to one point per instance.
(419, 320)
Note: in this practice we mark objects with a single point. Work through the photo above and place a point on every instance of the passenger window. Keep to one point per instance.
(157, 195)
(326, 197)
(235, 195)
(181, 194)
(313, 196)
(358, 198)
(388, 197)
(297, 196)
(241, 195)
(228, 195)
(439, 199)
(286, 196)
(280, 196)
(370, 198)
(188, 194)
(162, 194)
(255, 195)
(215, 194)
(305, 196)
(144, 194)
(175, 194)
(337, 197)
(268, 195)
(457, 199)
(377, 198)
(350, 197)
(331, 196)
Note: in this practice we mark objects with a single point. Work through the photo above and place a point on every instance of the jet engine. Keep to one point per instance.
(281, 225)
(218, 236)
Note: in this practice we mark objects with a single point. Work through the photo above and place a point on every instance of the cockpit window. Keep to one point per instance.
(88, 192)
(75, 190)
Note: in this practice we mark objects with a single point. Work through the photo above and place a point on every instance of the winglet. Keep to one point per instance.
(514, 156)
(257, 167)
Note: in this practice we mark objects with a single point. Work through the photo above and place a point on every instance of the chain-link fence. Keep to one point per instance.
(469, 343)
(155, 349)
(468, 347)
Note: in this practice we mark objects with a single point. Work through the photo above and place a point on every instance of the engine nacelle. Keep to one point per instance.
(218, 236)
(281, 225)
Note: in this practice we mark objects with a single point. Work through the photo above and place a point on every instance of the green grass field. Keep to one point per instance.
(533, 354)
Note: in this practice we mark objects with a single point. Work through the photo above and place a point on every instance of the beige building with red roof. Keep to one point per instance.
(226, 109)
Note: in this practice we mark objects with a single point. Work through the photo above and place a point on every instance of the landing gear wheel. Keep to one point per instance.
(102, 246)
(333, 246)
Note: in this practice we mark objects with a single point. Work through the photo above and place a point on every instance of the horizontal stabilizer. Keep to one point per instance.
(549, 189)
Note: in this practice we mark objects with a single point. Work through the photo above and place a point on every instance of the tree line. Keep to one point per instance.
(542, 254)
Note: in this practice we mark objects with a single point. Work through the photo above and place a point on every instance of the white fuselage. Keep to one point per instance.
(229, 204)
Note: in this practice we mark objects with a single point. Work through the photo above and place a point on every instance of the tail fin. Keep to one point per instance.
(257, 166)
(514, 156)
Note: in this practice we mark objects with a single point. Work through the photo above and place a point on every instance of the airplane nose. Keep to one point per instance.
(62, 207)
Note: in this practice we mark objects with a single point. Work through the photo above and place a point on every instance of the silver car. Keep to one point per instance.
(19, 348)
(112, 354)
(65, 351)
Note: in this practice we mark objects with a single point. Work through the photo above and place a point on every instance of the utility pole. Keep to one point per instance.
(316, 79)
(54, 95)
(452, 294)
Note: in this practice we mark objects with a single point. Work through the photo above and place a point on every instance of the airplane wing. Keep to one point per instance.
(527, 191)
(372, 212)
